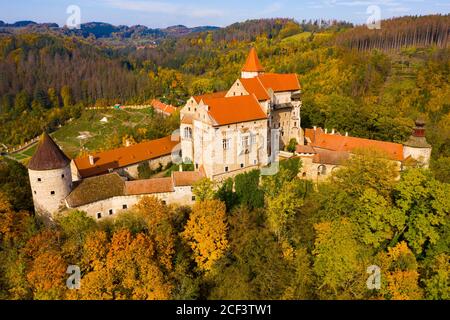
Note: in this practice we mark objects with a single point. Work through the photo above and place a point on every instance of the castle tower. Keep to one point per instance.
(252, 67)
(50, 177)
(417, 146)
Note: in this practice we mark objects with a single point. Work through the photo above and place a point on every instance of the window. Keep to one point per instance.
(242, 165)
(304, 174)
(196, 166)
(295, 123)
(99, 215)
(188, 133)
(226, 144)
(111, 212)
(164, 202)
(322, 170)
(39, 179)
(124, 207)
(34, 191)
(254, 162)
(193, 198)
(226, 169)
(237, 84)
(189, 109)
(62, 176)
(245, 142)
(253, 139)
(52, 193)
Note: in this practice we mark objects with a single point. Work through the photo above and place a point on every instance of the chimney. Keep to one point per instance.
(315, 128)
(326, 130)
(346, 133)
(181, 168)
(333, 131)
(91, 160)
(419, 130)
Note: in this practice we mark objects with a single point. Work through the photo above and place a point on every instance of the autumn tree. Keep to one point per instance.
(399, 273)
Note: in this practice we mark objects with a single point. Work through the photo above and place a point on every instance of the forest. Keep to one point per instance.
(278, 239)
(378, 93)
(262, 237)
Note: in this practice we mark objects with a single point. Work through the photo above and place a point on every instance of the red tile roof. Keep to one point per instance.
(254, 86)
(186, 178)
(165, 108)
(123, 157)
(149, 186)
(252, 64)
(343, 143)
(220, 94)
(305, 149)
(235, 109)
(324, 156)
(280, 82)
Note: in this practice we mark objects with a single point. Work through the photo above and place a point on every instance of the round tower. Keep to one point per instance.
(50, 177)
(417, 147)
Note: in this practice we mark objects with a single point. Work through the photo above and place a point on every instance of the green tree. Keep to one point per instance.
(66, 95)
(204, 189)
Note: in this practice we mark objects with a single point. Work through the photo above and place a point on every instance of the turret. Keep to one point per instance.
(252, 67)
(417, 146)
(50, 177)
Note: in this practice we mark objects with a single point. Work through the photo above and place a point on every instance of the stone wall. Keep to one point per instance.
(49, 189)
(113, 206)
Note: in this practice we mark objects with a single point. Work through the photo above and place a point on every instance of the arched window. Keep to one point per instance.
(188, 133)
(322, 170)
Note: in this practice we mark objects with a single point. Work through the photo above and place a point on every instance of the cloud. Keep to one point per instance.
(272, 8)
(164, 8)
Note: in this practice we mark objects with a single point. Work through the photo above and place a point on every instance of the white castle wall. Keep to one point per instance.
(423, 155)
(49, 189)
(112, 206)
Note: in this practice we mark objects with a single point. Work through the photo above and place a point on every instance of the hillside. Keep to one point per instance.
(369, 93)
(105, 32)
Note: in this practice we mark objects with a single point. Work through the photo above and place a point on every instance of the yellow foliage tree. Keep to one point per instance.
(206, 232)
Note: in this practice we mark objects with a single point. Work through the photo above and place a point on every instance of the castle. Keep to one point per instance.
(222, 134)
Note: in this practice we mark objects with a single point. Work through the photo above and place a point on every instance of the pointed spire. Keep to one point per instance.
(48, 155)
(252, 64)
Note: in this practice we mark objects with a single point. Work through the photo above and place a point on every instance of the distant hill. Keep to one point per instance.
(102, 30)
(398, 33)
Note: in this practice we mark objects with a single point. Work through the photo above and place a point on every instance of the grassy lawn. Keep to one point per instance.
(90, 132)
(297, 37)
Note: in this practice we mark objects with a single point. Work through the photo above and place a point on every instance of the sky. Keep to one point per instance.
(163, 13)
